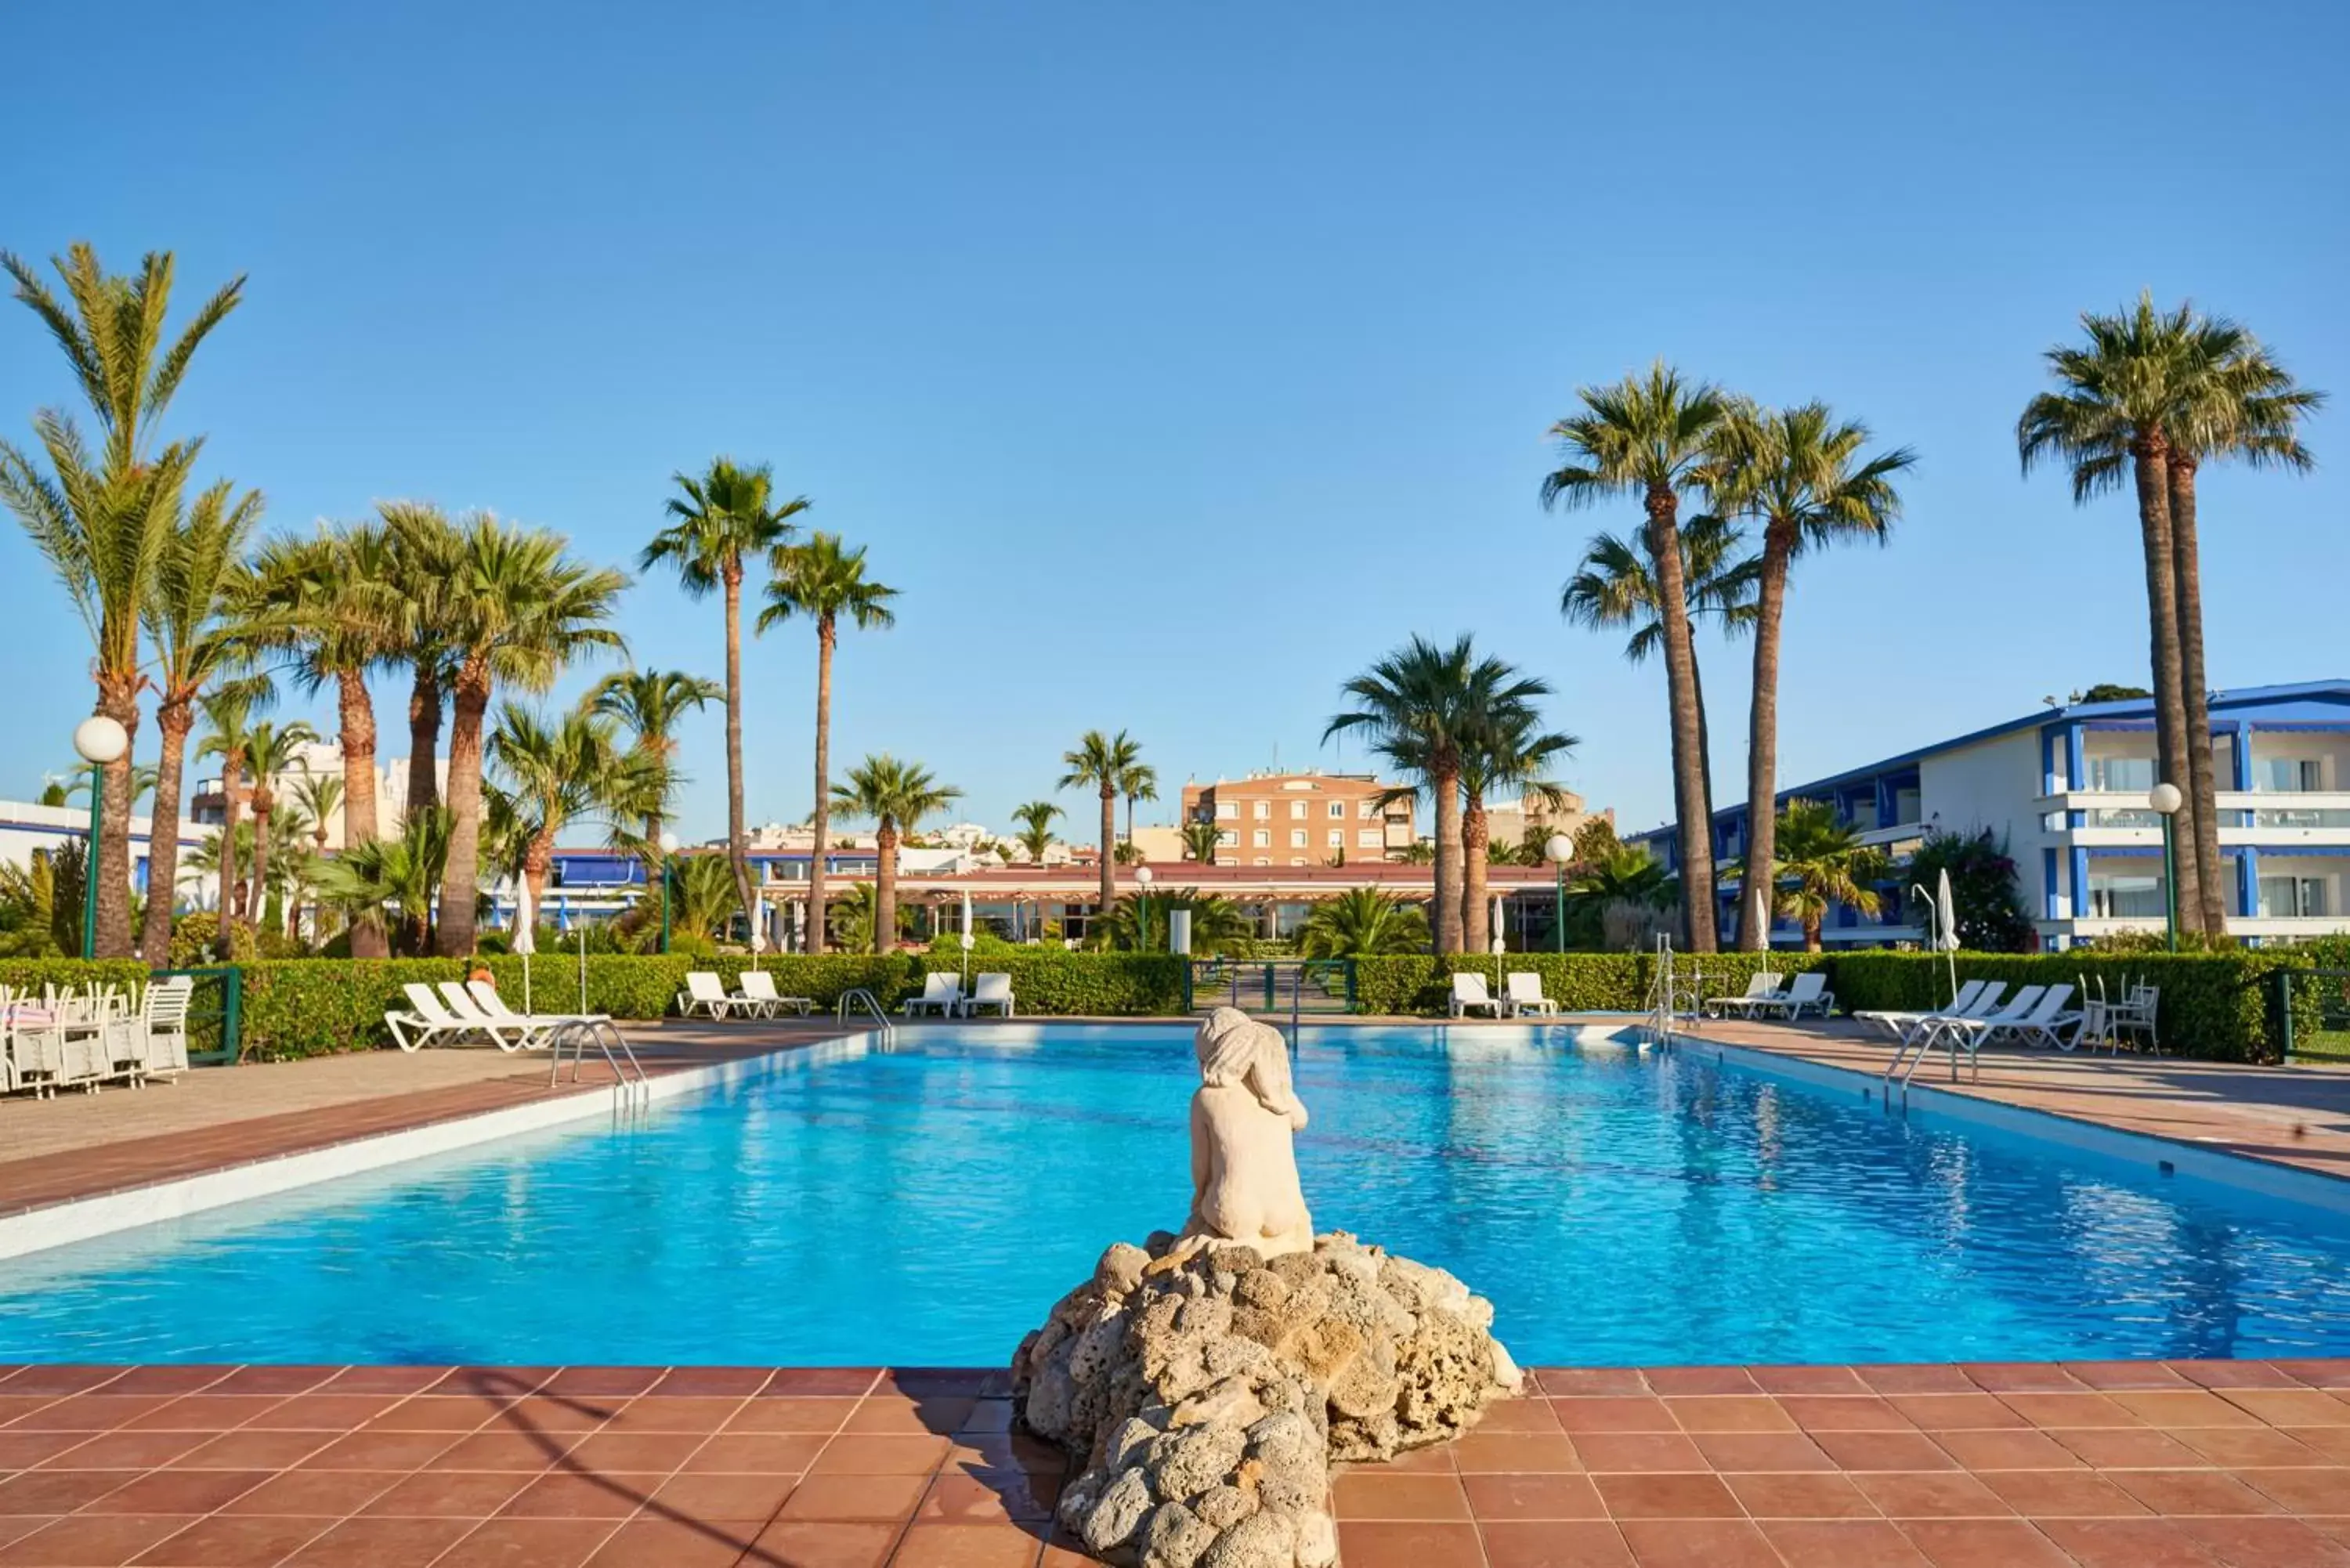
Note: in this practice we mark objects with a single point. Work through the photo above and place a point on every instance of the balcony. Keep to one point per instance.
(2270, 820)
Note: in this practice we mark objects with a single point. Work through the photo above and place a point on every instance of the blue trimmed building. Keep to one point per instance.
(2067, 789)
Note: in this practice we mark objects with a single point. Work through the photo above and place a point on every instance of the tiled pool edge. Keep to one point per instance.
(103, 1214)
(2166, 1156)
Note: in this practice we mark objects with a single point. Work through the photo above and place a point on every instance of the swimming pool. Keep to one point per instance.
(926, 1204)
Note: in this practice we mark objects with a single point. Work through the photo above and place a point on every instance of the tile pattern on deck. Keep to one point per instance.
(2104, 1465)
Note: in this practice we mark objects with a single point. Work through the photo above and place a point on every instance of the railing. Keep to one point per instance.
(2321, 999)
(858, 996)
(215, 1014)
(1312, 985)
(632, 1085)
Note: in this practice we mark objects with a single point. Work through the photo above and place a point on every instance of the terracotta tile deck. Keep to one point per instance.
(2141, 1465)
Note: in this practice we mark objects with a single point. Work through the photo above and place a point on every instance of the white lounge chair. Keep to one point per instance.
(485, 997)
(164, 1016)
(500, 1024)
(1976, 1025)
(1470, 996)
(1809, 990)
(428, 1021)
(1525, 995)
(705, 994)
(941, 994)
(990, 991)
(758, 990)
(1898, 1023)
(1761, 986)
(2047, 1016)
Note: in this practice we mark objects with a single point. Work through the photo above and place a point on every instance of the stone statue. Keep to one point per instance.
(1244, 1184)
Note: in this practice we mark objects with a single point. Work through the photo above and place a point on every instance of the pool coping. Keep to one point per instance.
(68, 1221)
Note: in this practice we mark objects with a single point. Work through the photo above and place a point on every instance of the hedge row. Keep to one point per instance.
(1578, 983)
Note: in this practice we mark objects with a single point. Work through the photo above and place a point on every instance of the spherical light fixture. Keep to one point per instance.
(1561, 848)
(668, 843)
(2166, 799)
(101, 739)
(1144, 876)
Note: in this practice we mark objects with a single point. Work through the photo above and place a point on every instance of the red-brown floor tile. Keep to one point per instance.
(968, 1546)
(1734, 1413)
(765, 1453)
(323, 1412)
(124, 1450)
(1932, 1494)
(237, 1541)
(1533, 1452)
(674, 1543)
(1667, 1496)
(386, 1379)
(1884, 1451)
(2247, 1374)
(2124, 1542)
(1917, 1379)
(564, 1495)
(2076, 1410)
(1556, 1545)
(1840, 1543)
(847, 1455)
(2116, 1375)
(91, 1412)
(253, 1451)
(894, 1416)
(24, 1450)
(2247, 1447)
(2128, 1448)
(451, 1413)
(1956, 1412)
(274, 1380)
(1638, 1451)
(57, 1491)
(1697, 1543)
(602, 1382)
(2175, 1407)
(711, 1382)
(381, 1543)
(92, 1540)
(2002, 1449)
(179, 1491)
(2181, 1493)
(802, 1543)
(609, 1450)
(529, 1543)
(672, 1413)
(1496, 1498)
(2291, 1407)
(800, 1381)
(2060, 1494)
(1368, 1494)
(1800, 1495)
(1001, 1450)
(204, 1413)
(438, 1494)
(2306, 1491)
(1614, 1412)
(166, 1379)
(1698, 1381)
(1530, 1416)
(1807, 1380)
(498, 1450)
(2263, 1542)
(330, 1494)
(1590, 1380)
(727, 1498)
(1761, 1451)
(2331, 1443)
(1845, 1413)
(60, 1378)
(380, 1451)
(547, 1413)
(1983, 1543)
(979, 1496)
(1436, 1459)
(2328, 1374)
(856, 1499)
(824, 1415)
(1421, 1543)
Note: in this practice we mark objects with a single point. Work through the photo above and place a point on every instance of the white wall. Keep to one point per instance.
(1992, 783)
(25, 827)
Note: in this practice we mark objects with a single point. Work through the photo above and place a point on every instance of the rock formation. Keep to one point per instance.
(1204, 1391)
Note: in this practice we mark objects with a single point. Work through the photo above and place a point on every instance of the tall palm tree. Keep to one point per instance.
(229, 709)
(1140, 783)
(2237, 403)
(101, 519)
(320, 796)
(1200, 842)
(558, 770)
(422, 552)
(1415, 708)
(401, 876)
(2111, 415)
(193, 603)
(270, 752)
(337, 602)
(1803, 475)
(649, 703)
(518, 610)
(1363, 922)
(1036, 835)
(1821, 861)
(1103, 763)
(824, 582)
(1505, 746)
(720, 520)
(1650, 436)
(895, 796)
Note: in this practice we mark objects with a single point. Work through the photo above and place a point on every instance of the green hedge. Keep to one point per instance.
(1579, 982)
(32, 974)
(2220, 1007)
(1052, 980)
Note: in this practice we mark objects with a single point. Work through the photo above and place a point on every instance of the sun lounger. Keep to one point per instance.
(1470, 996)
(990, 991)
(1525, 995)
(428, 1021)
(1761, 987)
(705, 994)
(758, 990)
(2040, 1025)
(941, 994)
(529, 1032)
(1809, 990)
(1898, 1023)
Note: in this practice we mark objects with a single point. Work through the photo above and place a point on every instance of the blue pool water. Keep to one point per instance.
(927, 1205)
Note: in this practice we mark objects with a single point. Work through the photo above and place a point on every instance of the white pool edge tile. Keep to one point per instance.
(103, 1214)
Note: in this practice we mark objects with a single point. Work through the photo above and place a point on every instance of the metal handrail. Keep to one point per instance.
(631, 1082)
(872, 1004)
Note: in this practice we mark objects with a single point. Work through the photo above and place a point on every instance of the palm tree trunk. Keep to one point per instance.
(264, 803)
(1476, 936)
(174, 720)
(1444, 784)
(1690, 790)
(885, 888)
(2202, 787)
(737, 853)
(1704, 728)
(537, 865)
(118, 698)
(1762, 753)
(1108, 844)
(2169, 700)
(229, 815)
(423, 739)
(1812, 943)
(460, 879)
(356, 710)
(826, 635)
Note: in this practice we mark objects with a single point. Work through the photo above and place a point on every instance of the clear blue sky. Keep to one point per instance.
(1176, 361)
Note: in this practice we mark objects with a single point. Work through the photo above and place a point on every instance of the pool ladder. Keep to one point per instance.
(632, 1085)
(871, 1003)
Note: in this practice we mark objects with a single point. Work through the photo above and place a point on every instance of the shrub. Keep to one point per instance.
(33, 974)
(1985, 895)
(1095, 985)
(1578, 983)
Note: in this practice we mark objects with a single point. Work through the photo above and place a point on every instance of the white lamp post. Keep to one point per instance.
(2166, 801)
(100, 741)
(1143, 878)
(1560, 850)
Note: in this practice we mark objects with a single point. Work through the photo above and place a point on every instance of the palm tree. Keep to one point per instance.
(402, 875)
(560, 770)
(229, 709)
(192, 602)
(1200, 842)
(518, 610)
(320, 796)
(1802, 475)
(1648, 436)
(422, 552)
(1140, 783)
(270, 752)
(1036, 835)
(1626, 874)
(1140, 923)
(895, 796)
(824, 582)
(1105, 762)
(649, 703)
(1363, 922)
(1417, 707)
(721, 519)
(2116, 400)
(101, 519)
(337, 602)
(1821, 861)
(1504, 745)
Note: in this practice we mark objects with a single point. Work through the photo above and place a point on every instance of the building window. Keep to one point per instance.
(1338, 811)
(2113, 898)
(1297, 862)
(1263, 810)
(1368, 838)
(2130, 776)
(1370, 809)
(1297, 811)
(1261, 839)
(2292, 775)
(1227, 840)
(2293, 898)
(1227, 809)
(1337, 838)
(1263, 861)
(1297, 839)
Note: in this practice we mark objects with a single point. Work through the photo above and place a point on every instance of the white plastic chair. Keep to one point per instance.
(1525, 995)
(758, 990)
(1761, 987)
(990, 991)
(705, 994)
(1807, 990)
(1470, 996)
(1898, 1023)
(941, 994)
(525, 1034)
(2047, 1016)
(429, 1021)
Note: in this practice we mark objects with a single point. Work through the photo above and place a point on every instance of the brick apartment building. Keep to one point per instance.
(1301, 818)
